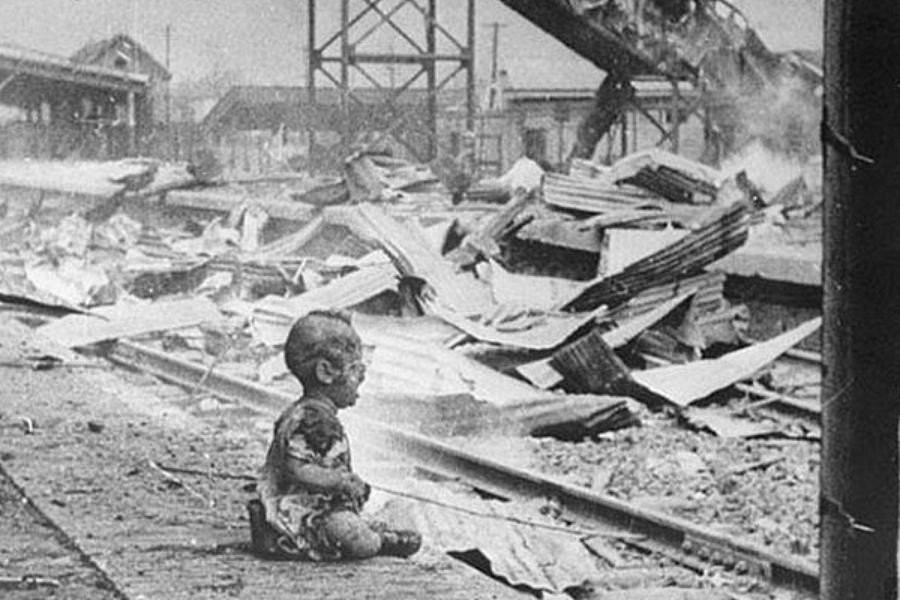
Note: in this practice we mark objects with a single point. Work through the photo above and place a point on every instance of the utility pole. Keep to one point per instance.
(494, 91)
(169, 81)
(495, 47)
(861, 267)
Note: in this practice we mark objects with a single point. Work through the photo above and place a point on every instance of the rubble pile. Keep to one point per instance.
(466, 331)
(765, 491)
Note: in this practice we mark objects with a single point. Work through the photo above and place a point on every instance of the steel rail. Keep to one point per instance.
(600, 511)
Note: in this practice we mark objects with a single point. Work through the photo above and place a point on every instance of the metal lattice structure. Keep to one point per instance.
(706, 43)
(374, 104)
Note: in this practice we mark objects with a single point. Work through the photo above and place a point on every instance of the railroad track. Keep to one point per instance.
(696, 547)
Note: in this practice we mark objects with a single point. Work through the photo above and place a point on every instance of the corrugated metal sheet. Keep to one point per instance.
(586, 169)
(546, 331)
(683, 384)
(590, 364)
(630, 329)
(613, 204)
(273, 315)
(125, 320)
(15, 288)
(540, 559)
(681, 168)
(413, 255)
(674, 185)
(542, 374)
(541, 293)
(707, 288)
(406, 360)
(724, 231)
(402, 365)
(595, 195)
(623, 247)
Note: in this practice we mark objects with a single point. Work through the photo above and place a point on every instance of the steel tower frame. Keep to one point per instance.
(341, 51)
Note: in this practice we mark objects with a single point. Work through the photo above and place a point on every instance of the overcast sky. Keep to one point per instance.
(264, 39)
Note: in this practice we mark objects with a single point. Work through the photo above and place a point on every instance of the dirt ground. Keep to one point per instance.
(88, 465)
(40, 556)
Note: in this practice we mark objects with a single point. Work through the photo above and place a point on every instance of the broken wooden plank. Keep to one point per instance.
(540, 373)
(590, 365)
(725, 425)
(684, 384)
(812, 406)
(122, 321)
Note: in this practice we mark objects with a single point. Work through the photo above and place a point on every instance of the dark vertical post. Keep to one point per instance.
(131, 122)
(168, 82)
(861, 392)
(346, 128)
(676, 117)
(169, 136)
(495, 43)
(470, 68)
(312, 64)
(431, 78)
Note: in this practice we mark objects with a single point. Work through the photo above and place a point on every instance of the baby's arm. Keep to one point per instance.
(311, 462)
(324, 479)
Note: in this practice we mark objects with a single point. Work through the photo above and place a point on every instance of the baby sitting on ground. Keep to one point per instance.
(310, 500)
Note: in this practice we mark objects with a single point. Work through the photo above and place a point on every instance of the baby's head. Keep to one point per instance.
(325, 353)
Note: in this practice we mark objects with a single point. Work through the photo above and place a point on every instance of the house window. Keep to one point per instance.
(535, 142)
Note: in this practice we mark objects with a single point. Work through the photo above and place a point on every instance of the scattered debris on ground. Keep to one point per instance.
(637, 376)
